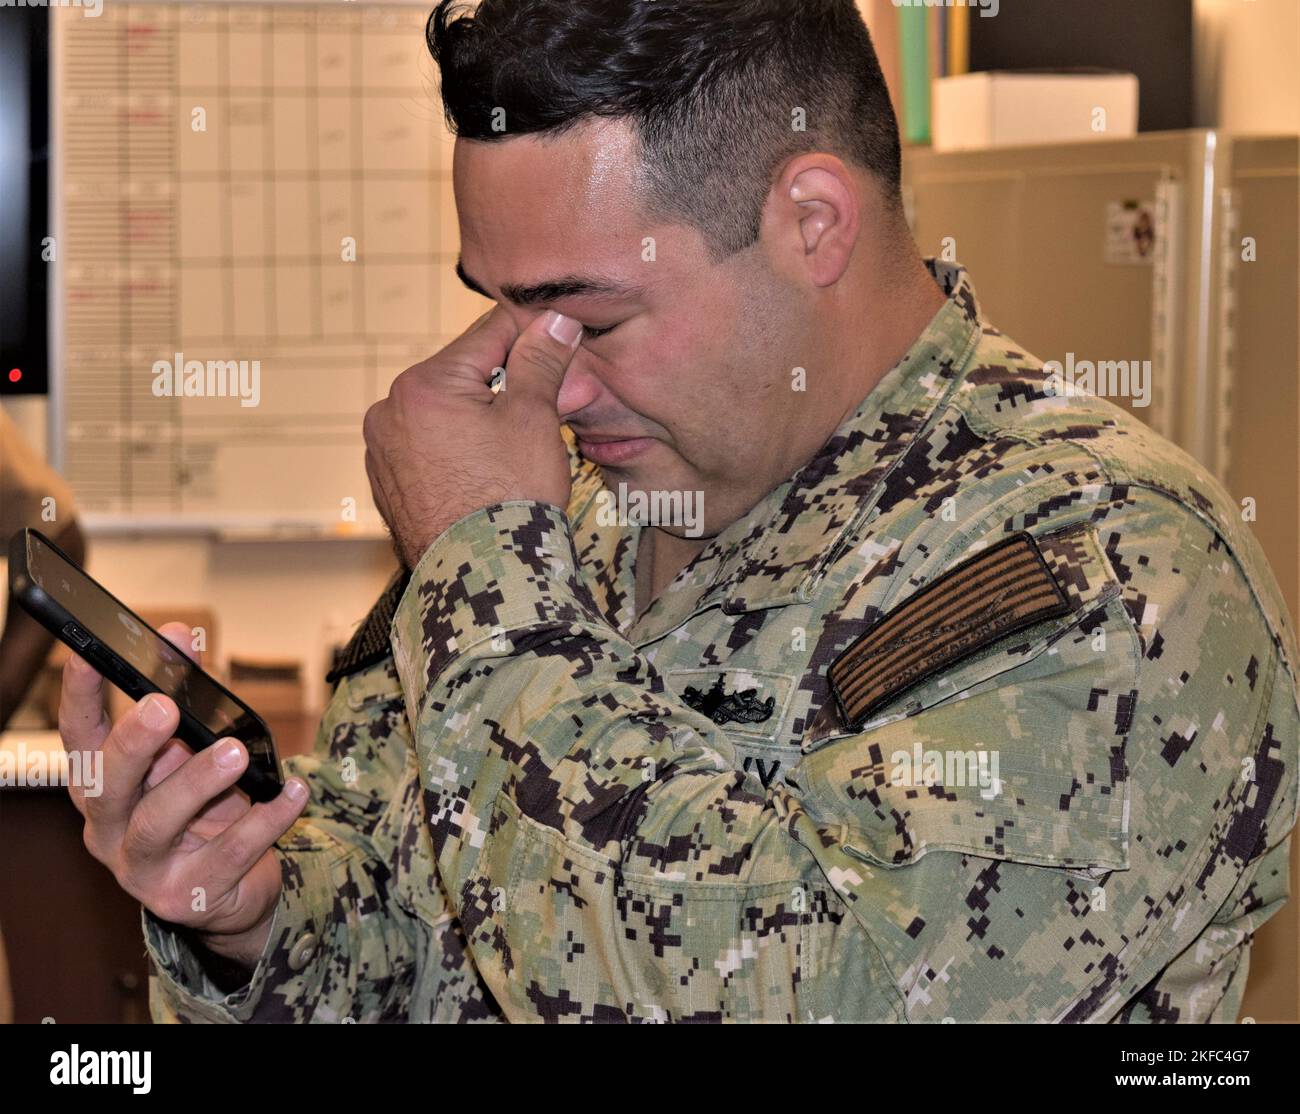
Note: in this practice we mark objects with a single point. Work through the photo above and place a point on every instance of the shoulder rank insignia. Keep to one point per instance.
(997, 592)
(723, 707)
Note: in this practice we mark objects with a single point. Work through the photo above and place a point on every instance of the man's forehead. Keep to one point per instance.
(551, 217)
(590, 169)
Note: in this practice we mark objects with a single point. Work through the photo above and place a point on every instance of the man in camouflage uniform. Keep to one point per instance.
(542, 826)
(974, 699)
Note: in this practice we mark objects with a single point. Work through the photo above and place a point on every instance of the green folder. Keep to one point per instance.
(914, 54)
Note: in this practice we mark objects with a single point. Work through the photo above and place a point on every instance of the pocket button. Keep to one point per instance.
(302, 951)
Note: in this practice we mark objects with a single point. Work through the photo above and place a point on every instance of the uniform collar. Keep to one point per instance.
(777, 553)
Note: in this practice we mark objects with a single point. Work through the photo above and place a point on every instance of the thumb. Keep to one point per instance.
(542, 355)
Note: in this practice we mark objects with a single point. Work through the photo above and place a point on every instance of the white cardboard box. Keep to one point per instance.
(1008, 109)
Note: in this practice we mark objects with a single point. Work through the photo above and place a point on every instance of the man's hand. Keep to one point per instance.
(443, 445)
(169, 824)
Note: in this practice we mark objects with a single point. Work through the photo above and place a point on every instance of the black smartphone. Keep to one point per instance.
(125, 649)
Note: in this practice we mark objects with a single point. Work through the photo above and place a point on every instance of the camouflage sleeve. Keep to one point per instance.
(342, 943)
(1206, 983)
(594, 840)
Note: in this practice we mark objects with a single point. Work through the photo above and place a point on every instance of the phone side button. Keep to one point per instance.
(78, 637)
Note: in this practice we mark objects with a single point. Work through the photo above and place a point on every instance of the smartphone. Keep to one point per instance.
(125, 649)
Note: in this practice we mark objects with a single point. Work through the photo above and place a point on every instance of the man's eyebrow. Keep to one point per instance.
(568, 286)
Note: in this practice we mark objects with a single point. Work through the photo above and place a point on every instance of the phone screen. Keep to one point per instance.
(127, 635)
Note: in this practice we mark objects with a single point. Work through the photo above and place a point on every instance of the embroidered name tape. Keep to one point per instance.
(995, 593)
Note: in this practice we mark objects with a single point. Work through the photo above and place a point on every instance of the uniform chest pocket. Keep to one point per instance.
(1015, 752)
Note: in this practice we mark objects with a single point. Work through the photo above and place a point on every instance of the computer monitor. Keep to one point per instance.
(26, 254)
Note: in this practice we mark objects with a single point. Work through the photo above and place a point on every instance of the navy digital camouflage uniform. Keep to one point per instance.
(542, 806)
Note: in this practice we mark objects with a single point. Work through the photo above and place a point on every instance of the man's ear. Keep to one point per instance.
(817, 212)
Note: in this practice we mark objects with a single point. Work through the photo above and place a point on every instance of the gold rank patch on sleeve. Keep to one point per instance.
(995, 593)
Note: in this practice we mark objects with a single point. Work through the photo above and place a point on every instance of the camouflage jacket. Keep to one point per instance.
(542, 806)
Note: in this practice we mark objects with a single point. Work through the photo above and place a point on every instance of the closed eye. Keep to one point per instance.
(592, 332)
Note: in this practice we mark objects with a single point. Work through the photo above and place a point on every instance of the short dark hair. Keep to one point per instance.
(709, 86)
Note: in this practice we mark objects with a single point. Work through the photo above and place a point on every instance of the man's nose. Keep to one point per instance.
(579, 388)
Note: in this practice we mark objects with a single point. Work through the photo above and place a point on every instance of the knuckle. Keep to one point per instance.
(545, 359)
(407, 384)
(169, 906)
(90, 841)
(131, 732)
(128, 738)
(197, 778)
(128, 878)
(233, 851)
(141, 836)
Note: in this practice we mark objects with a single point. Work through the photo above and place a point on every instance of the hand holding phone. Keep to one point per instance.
(169, 823)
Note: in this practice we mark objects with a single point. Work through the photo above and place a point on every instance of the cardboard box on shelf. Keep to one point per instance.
(1014, 108)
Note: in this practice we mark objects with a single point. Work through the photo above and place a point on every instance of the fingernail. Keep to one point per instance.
(295, 790)
(564, 329)
(153, 712)
(228, 755)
